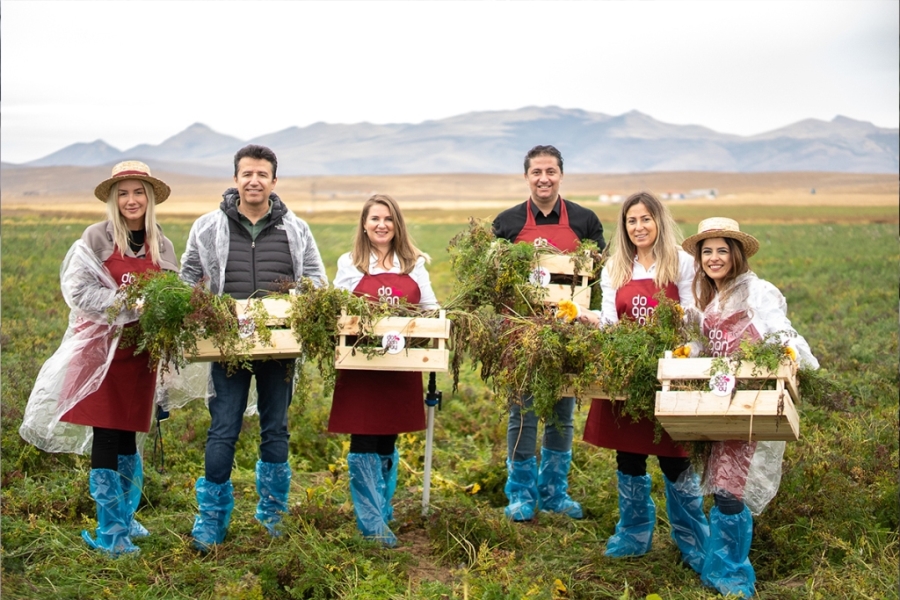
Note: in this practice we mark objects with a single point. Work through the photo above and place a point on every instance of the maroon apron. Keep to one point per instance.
(124, 400)
(379, 402)
(729, 461)
(607, 424)
(559, 236)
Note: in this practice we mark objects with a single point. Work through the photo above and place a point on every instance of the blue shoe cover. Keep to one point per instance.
(690, 528)
(273, 482)
(521, 489)
(216, 501)
(367, 488)
(727, 568)
(131, 475)
(553, 484)
(112, 511)
(389, 465)
(637, 517)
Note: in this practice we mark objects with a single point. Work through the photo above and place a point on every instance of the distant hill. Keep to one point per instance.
(496, 141)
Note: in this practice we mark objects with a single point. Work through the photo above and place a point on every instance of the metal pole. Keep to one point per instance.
(432, 399)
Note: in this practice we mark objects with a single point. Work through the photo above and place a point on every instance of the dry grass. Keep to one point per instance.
(68, 190)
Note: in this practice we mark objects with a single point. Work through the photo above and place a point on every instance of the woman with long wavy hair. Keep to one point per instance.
(646, 260)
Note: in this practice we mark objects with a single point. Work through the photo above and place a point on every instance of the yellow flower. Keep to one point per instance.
(682, 352)
(679, 311)
(567, 310)
(790, 352)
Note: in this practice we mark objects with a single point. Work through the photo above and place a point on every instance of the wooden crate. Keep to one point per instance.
(589, 394)
(563, 264)
(433, 330)
(745, 415)
(283, 344)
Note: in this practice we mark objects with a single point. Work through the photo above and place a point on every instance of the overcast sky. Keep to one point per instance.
(132, 72)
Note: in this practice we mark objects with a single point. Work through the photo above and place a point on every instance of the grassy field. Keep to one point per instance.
(832, 532)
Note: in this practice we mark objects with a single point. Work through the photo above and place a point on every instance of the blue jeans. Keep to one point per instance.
(274, 386)
(521, 433)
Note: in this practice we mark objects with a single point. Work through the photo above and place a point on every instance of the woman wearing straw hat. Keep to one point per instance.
(90, 381)
(733, 304)
(645, 260)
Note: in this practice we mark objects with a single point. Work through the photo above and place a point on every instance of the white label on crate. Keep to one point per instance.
(393, 342)
(246, 326)
(721, 383)
(540, 276)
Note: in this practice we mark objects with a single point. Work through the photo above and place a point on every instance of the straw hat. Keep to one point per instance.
(133, 169)
(720, 227)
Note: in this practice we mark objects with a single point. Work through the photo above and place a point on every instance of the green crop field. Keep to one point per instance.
(832, 531)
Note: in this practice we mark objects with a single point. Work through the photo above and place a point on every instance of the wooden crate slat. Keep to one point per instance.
(689, 416)
(699, 368)
(422, 327)
(562, 264)
(277, 308)
(792, 383)
(283, 346)
(589, 393)
(410, 359)
(557, 292)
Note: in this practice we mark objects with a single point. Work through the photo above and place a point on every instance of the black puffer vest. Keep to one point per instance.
(255, 268)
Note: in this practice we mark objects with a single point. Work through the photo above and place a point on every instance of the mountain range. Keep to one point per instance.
(496, 142)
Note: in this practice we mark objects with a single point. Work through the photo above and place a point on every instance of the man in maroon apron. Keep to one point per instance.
(545, 219)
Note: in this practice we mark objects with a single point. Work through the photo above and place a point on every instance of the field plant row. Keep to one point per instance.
(832, 531)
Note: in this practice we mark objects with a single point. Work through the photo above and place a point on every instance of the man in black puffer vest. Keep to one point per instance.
(251, 246)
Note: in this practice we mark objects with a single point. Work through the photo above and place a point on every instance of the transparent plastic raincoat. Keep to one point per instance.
(749, 309)
(89, 291)
(206, 256)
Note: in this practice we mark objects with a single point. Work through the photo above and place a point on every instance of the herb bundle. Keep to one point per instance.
(494, 272)
(314, 320)
(174, 316)
(522, 349)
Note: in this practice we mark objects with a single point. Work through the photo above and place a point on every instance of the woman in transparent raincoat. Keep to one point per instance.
(91, 391)
(733, 304)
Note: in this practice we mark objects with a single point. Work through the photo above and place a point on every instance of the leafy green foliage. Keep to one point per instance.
(174, 316)
(314, 320)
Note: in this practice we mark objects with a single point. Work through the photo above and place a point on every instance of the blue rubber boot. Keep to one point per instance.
(553, 484)
(112, 512)
(131, 475)
(521, 489)
(389, 464)
(273, 482)
(727, 568)
(637, 517)
(367, 488)
(690, 528)
(216, 501)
